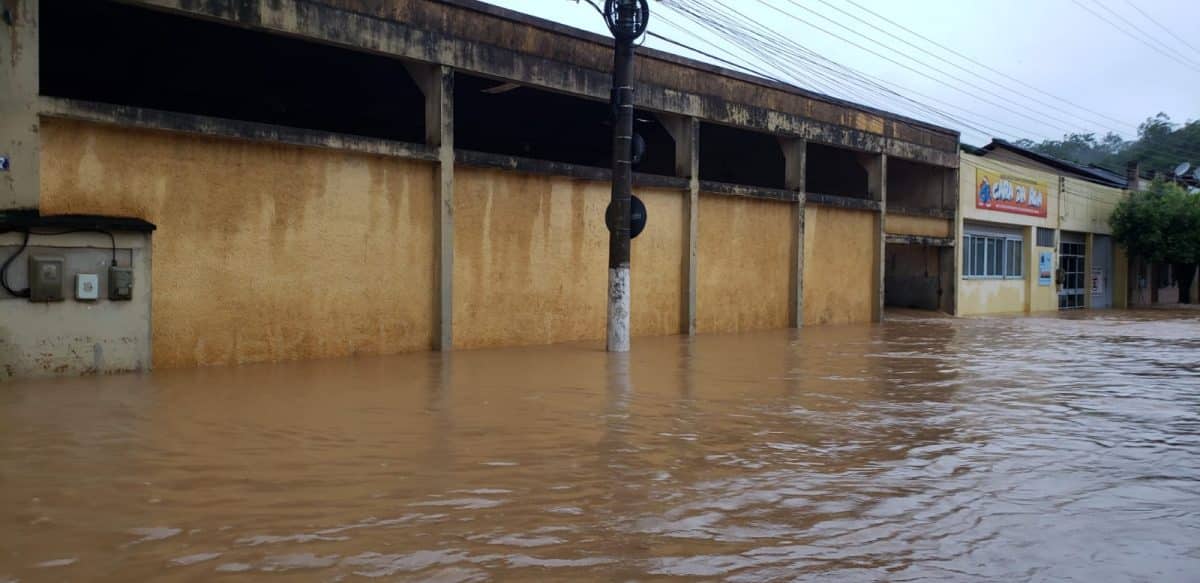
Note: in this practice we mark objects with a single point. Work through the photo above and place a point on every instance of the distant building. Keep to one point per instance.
(1034, 233)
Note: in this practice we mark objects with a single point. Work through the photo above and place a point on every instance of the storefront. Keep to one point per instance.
(1033, 236)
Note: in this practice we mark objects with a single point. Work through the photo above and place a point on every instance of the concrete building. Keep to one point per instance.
(322, 178)
(1034, 234)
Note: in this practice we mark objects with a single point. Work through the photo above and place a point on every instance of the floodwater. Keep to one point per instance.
(1002, 449)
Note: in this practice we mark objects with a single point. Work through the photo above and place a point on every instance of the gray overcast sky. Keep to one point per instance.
(1055, 46)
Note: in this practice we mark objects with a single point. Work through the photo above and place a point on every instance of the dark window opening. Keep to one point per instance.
(124, 55)
(740, 156)
(916, 185)
(499, 117)
(1045, 237)
(836, 171)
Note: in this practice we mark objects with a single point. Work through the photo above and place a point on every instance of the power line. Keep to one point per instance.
(806, 56)
(1148, 36)
(756, 43)
(1179, 152)
(984, 65)
(1158, 24)
(962, 68)
(709, 17)
(1132, 36)
(926, 75)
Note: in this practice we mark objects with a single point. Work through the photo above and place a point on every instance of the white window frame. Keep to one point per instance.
(991, 242)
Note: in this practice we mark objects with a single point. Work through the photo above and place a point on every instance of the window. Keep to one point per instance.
(993, 256)
(1045, 237)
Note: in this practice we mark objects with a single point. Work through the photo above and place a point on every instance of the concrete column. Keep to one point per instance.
(949, 257)
(794, 154)
(437, 83)
(19, 143)
(876, 166)
(1087, 270)
(686, 133)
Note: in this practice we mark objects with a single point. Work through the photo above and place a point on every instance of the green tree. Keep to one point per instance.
(1161, 225)
(1160, 146)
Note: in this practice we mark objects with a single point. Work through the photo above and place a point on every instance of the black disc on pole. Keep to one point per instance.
(637, 217)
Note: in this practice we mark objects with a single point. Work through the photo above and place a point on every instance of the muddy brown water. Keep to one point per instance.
(1001, 449)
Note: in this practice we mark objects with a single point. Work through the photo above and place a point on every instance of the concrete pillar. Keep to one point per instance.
(876, 166)
(437, 83)
(686, 133)
(794, 154)
(19, 143)
(1087, 270)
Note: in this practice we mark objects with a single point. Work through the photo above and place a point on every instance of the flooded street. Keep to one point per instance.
(1064, 449)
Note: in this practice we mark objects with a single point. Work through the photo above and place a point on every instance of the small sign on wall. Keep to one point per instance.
(1045, 267)
(1098, 281)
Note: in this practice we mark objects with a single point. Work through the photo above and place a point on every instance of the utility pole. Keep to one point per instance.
(626, 20)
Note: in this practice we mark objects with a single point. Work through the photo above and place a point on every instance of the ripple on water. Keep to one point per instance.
(922, 449)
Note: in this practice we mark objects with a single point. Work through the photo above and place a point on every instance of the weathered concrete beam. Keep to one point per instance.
(919, 240)
(539, 166)
(845, 202)
(686, 133)
(794, 155)
(351, 29)
(153, 119)
(920, 212)
(437, 83)
(748, 191)
(20, 145)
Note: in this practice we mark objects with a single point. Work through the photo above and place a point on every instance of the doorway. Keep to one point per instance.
(1071, 255)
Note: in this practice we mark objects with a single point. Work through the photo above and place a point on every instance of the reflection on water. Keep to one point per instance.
(988, 449)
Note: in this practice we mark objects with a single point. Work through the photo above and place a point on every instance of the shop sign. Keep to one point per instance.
(1045, 268)
(1009, 194)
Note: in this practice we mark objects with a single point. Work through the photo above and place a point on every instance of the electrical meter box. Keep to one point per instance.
(120, 283)
(46, 277)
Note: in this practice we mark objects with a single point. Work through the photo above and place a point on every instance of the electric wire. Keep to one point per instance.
(1136, 38)
(1026, 133)
(958, 66)
(25, 244)
(705, 14)
(24, 293)
(1160, 25)
(951, 50)
(834, 75)
(1149, 37)
(1042, 120)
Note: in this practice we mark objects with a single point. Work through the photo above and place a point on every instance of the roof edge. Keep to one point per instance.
(538, 22)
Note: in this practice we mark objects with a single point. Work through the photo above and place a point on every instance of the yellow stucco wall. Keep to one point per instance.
(991, 296)
(531, 259)
(263, 251)
(657, 263)
(920, 226)
(840, 279)
(1086, 206)
(743, 256)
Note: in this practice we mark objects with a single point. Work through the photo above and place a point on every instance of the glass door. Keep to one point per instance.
(1070, 261)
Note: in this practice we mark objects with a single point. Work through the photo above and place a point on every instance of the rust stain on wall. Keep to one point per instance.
(839, 265)
(263, 252)
(743, 253)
